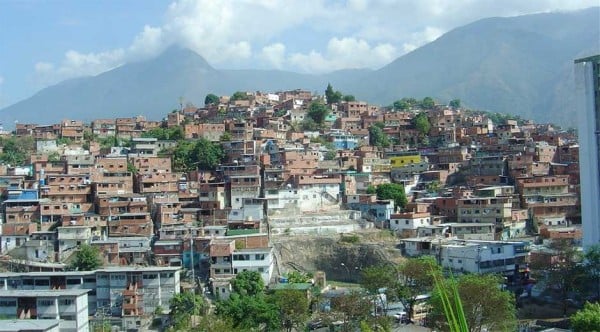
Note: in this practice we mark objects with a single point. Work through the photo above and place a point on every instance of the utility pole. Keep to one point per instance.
(192, 261)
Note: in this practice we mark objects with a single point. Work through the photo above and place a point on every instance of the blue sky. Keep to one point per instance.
(43, 42)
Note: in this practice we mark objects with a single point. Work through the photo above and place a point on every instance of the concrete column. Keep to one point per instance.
(5, 287)
(57, 312)
(159, 291)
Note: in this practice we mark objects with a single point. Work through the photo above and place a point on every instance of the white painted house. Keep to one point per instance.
(409, 222)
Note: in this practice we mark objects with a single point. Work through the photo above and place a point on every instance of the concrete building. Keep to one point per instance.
(128, 291)
(69, 307)
(483, 256)
(29, 325)
(587, 76)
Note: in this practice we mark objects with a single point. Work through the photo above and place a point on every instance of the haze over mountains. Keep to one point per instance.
(520, 65)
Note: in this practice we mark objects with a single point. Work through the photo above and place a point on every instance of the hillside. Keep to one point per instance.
(520, 65)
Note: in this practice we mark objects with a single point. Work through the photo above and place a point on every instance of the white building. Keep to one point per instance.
(409, 222)
(68, 306)
(463, 231)
(483, 256)
(127, 291)
(259, 260)
(71, 237)
(29, 325)
(587, 73)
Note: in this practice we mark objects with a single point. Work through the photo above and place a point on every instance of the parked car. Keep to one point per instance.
(401, 317)
(315, 324)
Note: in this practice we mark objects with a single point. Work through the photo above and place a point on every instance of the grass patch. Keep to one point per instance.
(352, 238)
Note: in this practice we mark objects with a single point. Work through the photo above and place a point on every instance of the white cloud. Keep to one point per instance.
(344, 53)
(420, 38)
(350, 34)
(1, 80)
(274, 54)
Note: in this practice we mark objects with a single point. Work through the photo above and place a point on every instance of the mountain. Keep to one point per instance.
(520, 65)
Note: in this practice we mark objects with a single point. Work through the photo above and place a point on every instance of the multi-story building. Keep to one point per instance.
(483, 256)
(68, 306)
(587, 73)
(158, 182)
(67, 188)
(72, 129)
(143, 147)
(111, 177)
(496, 210)
(124, 291)
(104, 127)
(79, 164)
(463, 231)
(407, 223)
(548, 198)
(148, 164)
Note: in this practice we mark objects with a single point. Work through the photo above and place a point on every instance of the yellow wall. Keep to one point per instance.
(401, 161)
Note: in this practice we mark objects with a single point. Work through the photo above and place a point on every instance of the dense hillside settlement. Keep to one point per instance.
(112, 220)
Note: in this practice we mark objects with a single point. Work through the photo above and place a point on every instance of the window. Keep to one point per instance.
(8, 303)
(45, 303)
(42, 282)
(66, 302)
(73, 281)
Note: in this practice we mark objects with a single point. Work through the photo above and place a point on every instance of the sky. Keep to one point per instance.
(43, 42)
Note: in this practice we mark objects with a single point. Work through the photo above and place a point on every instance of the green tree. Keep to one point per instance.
(592, 266)
(587, 319)
(182, 159)
(349, 98)
(484, 303)
(401, 105)
(330, 155)
(213, 323)
(566, 274)
(317, 112)
(89, 136)
(309, 124)
(226, 137)
(211, 99)
(64, 141)
(183, 306)
(54, 156)
(377, 137)
(394, 192)
(295, 277)
(353, 308)
(293, 308)
(421, 123)
(206, 154)
(454, 103)
(239, 95)
(371, 190)
(87, 258)
(131, 168)
(332, 97)
(416, 278)
(373, 278)
(250, 312)
(15, 150)
(427, 103)
(248, 283)
(174, 133)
